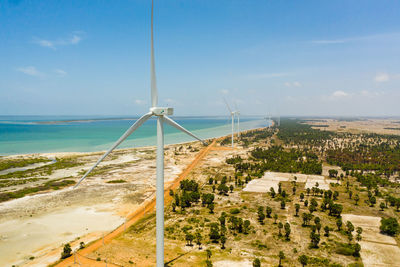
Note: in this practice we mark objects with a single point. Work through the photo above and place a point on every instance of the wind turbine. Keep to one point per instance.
(233, 118)
(238, 119)
(162, 116)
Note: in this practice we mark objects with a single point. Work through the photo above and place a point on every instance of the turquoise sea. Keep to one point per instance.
(37, 134)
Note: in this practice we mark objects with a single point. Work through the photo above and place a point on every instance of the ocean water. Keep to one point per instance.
(38, 134)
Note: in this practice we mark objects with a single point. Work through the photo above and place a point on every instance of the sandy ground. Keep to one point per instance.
(25, 238)
(38, 225)
(272, 179)
(228, 263)
(376, 249)
(358, 126)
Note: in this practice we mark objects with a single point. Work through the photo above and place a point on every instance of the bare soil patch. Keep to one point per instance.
(376, 249)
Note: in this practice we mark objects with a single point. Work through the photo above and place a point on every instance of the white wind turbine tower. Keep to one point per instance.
(233, 118)
(238, 119)
(161, 114)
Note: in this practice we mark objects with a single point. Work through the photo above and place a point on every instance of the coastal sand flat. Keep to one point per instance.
(376, 249)
(22, 237)
(92, 209)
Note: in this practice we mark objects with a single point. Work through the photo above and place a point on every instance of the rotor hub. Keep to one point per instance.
(161, 111)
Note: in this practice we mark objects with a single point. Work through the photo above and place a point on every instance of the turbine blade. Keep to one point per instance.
(177, 126)
(154, 94)
(136, 125)
(227, 105)
(237, 110)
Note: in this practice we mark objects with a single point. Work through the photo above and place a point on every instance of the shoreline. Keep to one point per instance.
(55, 143)
(83, 153)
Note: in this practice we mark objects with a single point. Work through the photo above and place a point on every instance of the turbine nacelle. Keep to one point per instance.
(160, 111)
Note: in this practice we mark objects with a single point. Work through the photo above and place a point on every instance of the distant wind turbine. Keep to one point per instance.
(233, 113)
(162, 116)
(238, 119)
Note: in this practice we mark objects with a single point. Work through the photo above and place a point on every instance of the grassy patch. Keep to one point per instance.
(52, 185)
(17, 163)
(119, 181)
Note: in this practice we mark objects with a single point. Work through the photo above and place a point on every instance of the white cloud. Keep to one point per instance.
(31, 71)
(369, 94)
(372, 37)
(46, 43)
(381, 77)
(322, 42)
(292, 84)
(169, 101)
(60, 72)
(140, 102)
(339, 93)
(76, 38)
(259, 76)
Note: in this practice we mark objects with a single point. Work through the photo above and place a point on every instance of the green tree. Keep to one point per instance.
(272, 192)
(173, 206)
(211, 207)
(209, 254)
(301, 196)
(66, 251)
(382, 206)
(389, 226)
(372, 201)
(303, 259)
(223, 240)
(326, 230)
(315, 238)
(356, 199)
(339, 223)
(359, 232)
(189, 238)
(297, 208)
(261, 215)
(246, 227)
(269, 211)
(306, 218)
(357, 249)
(280, 226)
(287, 231)
(198, 239)
(350, 227)
(275, 218)
(256, 262)
(214, 232)
(283, 204)
(281, 257)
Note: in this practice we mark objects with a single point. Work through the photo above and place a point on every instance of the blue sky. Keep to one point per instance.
(293, 57)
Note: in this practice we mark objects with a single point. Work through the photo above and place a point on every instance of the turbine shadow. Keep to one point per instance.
(174, 259)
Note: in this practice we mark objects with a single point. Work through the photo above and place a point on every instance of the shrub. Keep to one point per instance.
(389, 226)
(234, 211)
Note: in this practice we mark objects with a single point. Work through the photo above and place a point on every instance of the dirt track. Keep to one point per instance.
(132, 218)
